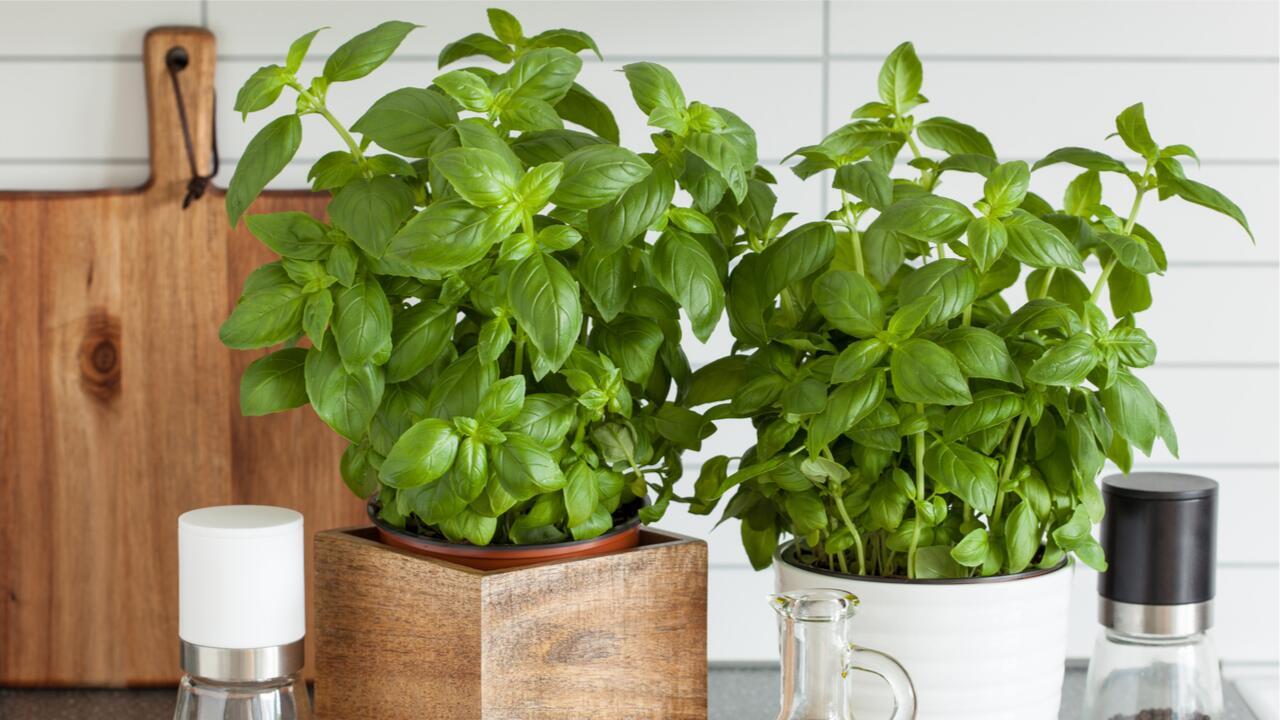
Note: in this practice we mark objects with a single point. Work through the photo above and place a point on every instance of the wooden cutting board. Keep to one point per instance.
(119, 407)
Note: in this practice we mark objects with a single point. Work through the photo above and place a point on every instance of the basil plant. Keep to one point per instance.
(484, 315)
(914, 415)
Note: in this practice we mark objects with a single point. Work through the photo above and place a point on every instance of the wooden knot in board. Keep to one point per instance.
(100, 355)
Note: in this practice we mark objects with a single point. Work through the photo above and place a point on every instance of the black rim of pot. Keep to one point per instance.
(788, 555)
(630, 511)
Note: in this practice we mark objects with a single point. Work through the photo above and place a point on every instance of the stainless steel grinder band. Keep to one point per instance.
(233, 665)
(1159, 620)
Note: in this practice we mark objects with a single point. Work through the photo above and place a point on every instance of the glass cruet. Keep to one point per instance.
(817, 657)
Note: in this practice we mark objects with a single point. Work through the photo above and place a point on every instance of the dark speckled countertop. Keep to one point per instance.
(736, 692)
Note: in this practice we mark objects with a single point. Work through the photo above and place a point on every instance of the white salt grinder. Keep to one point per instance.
(242, 613)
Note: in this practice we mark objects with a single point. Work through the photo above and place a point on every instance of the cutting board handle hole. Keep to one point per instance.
(177, 58)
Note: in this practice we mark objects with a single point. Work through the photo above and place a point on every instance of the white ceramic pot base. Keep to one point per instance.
(986, 650)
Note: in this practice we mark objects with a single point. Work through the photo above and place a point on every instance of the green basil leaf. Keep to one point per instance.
(1128, 291)
(407, 121)
(616, 223)
(264, 318)
(1131, 124)
(261, 89)
(1007, 186)
(525, 468)
(363, 53)
(596, 174)
(1205, 196)
(361, 322)
(906, 319)
(503, 401)
(264, 157)
(481, 177)
(543, 74)
(923, 372)
(530, 114)
(1035, 242)
(418, 336)
(1084, 158)
(900, 78)
(370, 211)
(849, 302)
(928, 218)
(1131, 345)
(1083, 194)
(685, 270)
(806, 512)
(867, 181)
(1021, 537)
(608, 278)
(970, 475)
(571, 40)
(1132, 410)
(717, 381)
(495, 336)
(847, 404)
(536, 187)
(459, 388)
(954, 137)
(990, 408)
(1066, 364)
(653, 86)
(290, 234)
(298, 50)
(274, 382)
(316, 312)
(721, 155)
(546, 418)
(345, 401)
(447, 236)
(632, 343)
(469, 89)
(1132, 252)
(544, 299)
(581, 493)
(981, 354)
(580, 107)
(972, 549)
(952, 281)
(424, 453)
(855, 360)
(987, 240)
(472, 45)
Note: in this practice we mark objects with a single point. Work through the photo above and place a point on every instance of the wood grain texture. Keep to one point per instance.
(119, 407)
(614, 637)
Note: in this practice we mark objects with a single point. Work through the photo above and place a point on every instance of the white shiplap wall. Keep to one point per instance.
(1033, 75)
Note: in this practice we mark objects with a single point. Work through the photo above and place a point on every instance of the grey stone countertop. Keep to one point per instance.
(736, 692)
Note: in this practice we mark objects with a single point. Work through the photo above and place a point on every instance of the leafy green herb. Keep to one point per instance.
(909, 421)
(490, 313)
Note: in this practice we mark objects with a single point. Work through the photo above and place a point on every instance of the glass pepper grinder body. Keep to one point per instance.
(817, 657)
(1153, 659)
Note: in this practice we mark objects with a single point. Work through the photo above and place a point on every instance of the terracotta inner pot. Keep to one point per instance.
(500, 557)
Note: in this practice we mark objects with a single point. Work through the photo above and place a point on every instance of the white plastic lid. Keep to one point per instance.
(241, 579)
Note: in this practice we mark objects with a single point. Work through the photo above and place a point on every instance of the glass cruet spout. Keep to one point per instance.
(817, 657)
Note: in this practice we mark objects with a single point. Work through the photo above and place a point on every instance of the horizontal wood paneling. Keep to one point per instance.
(628, 27)
(85, 28)
(1064, 28)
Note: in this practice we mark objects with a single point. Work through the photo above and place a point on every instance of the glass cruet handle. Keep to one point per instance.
(889, 670)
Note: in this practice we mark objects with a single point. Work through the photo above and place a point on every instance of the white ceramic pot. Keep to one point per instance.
(976, 649)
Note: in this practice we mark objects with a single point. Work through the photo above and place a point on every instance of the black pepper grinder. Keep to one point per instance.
(1153, 660)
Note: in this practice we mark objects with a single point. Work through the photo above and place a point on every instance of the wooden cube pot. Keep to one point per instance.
(404, 636)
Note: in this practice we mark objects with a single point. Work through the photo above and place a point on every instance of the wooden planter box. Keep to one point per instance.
(401, 636)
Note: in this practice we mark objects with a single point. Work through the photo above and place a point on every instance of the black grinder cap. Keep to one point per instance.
(1160, 536)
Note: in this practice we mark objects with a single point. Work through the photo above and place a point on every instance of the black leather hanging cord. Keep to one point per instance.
(176, 61)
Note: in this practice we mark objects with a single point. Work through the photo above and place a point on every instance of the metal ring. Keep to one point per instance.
(242, 664)
(1165, 620)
